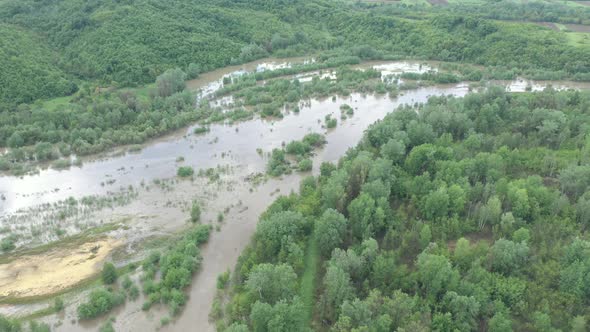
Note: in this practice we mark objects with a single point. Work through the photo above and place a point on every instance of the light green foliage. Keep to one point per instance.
(436, 274)
(425, 236)
(478, 227)
(338, 288)
(500, 323)
(7, 244)
(463, 254)
(100, 301)
(365, 216)
(330, 231)
(394, 150)
(519, 201)
(464, 309)
(193, 71)
(185, 171)
(9, 325)
(490, 212)
(23, 55)
(281, 317)
(277, 164)
(109, 273)
(58, 304)
(176, 268)
(305, 165)
(542, 322)
(170, 82)
(39, 327)
(522, 235)
(223, 279)
(273, 232)
(107, 326)
(195, 212)
(583, 209)
(334, 192)
(271, 283)
(436, 204)
(578, 324)
(126, 283)
(331, 123)
(508, 257)
(457, 199)
(575, 180)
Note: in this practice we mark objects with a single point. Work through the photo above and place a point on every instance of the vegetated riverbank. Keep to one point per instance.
(103, 122)
(444, 216)
(166, 206)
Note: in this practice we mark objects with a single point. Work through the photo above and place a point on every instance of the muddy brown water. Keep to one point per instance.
(233, 145)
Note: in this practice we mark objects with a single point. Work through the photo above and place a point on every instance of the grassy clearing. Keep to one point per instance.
(308, 280)
(39, 313)
(578, 39)
(54, 103)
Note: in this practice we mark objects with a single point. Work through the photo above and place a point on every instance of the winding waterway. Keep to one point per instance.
(232, 146)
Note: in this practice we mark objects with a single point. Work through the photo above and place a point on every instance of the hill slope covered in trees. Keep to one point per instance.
(130, 42)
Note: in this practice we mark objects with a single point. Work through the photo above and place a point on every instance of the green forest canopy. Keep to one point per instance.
(52, 47)
(458, 215)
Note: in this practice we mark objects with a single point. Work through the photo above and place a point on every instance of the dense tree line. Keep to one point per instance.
(536, 11)
(457, 215)
(30, 68)
(165, 276)
(532, 11)
(95, 121)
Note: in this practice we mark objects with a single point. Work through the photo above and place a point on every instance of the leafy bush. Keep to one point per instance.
(9, 325)
(223, 279)
(126, 283)
(331, 122)
(185, 171)
(277, 164)
(39, 327)
(200, 130)
(58, 304)
(100, 302)
(109, 273)
(7, 244)
(195, 212)
(305, 165)
(176, 267)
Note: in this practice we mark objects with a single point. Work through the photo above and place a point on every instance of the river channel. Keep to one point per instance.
(158, 210)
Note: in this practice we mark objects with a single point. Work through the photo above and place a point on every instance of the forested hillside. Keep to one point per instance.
(131, 42)
(30, 69)
(458, 215)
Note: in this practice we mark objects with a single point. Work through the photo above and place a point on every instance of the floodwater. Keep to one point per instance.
(235, 146)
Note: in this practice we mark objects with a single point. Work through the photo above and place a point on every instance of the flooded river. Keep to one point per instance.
(156, 210)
